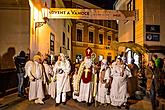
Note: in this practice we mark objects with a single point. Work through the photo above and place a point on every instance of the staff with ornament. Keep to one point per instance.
(86, 79)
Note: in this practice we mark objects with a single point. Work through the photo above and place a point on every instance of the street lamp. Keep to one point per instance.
(45, 12)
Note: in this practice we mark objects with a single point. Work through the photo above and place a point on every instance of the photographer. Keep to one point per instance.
(20, 67)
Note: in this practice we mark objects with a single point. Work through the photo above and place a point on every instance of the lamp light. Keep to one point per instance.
(45, 12)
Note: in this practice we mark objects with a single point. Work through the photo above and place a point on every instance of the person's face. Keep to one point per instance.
(150, 64)
(45, 62)
(153, 58)
(38, 60)
(61, 58)
(88, 57)
(118, 62)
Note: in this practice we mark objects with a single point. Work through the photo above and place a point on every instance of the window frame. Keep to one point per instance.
(63, 39)
(68, 40)
(77, 35)
(90, 36)
(80, 26)
(102, 38)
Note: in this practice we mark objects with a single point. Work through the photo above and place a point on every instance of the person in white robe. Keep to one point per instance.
(118, 92)
(36, 78)
(75, 80)
(61, 73)
(52, 84)
(85, 80)
(104, 82)
(27, 67)
(48, 75)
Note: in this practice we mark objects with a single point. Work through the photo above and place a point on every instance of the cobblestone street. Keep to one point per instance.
(12, 102)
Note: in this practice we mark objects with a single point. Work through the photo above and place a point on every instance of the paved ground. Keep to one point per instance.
(12, 102)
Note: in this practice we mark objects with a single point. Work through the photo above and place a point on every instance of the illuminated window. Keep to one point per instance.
(79, 32)
(100, 38)
(91, 34)
(109, 40)
(90, 37)
(79, 35)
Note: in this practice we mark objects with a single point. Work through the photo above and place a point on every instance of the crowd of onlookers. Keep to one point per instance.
(155, 79)
(116, 81)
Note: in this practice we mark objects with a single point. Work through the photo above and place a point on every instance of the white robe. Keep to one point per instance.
(27, 67)
(62, 70)
(74, 83)
(118, 92)
(36, 87)
(86, 90)
(102, 96)
(48, 73)
(63, 80)
(52, 86)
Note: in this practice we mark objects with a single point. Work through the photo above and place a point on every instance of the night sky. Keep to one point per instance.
(106, 4)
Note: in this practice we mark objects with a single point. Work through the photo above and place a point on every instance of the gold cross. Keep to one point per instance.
(86, 72)
(88, 51)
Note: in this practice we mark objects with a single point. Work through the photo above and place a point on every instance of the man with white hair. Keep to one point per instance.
(61, 73)
(104, 83)
(85, 78)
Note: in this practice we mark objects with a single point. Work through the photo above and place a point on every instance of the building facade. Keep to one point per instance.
(147, 29)
(14, 30)
(97, 34)
(23, 27)
(52, 37)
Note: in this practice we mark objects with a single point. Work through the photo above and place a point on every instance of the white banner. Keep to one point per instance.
(97, 14)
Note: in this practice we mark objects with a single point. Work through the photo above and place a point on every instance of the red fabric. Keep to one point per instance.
(89, 76)
(88, 51)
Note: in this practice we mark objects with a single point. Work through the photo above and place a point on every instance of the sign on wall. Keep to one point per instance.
(97, 14)
(152, 32)
(153, 28)
(152, 37)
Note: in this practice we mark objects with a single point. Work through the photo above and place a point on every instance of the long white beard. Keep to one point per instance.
(88, 63)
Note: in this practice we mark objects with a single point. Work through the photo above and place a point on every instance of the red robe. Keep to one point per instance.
(88, 78)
